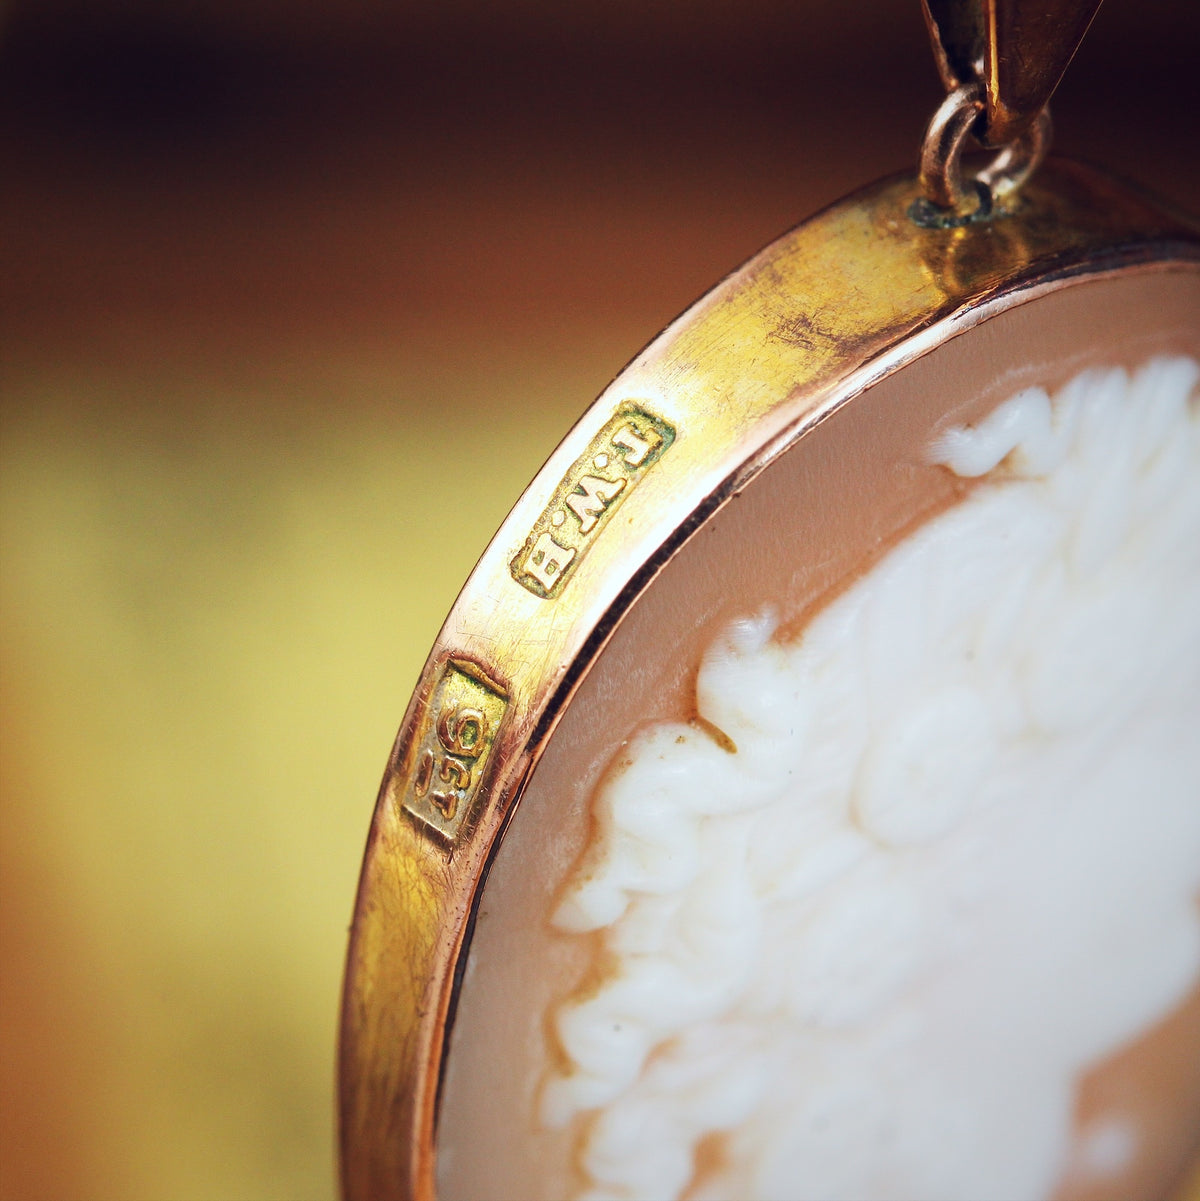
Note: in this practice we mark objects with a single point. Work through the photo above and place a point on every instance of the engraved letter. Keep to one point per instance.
(462, 731)
(546, 560)
(424, 776)
(456, 774)
(632, 442)
(591, 499)
(446, 803)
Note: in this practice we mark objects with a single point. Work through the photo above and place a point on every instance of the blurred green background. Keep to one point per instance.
(294, 299)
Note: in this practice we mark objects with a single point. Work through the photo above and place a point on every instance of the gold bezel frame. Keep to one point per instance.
(845, 299)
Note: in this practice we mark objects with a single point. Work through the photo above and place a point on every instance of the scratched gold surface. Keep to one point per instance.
(855, 292)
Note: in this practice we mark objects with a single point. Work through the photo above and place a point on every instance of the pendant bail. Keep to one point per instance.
(1016, 49)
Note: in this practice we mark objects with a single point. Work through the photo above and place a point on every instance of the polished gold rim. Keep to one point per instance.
(842, 301)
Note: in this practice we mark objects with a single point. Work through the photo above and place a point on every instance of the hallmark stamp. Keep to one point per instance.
(617, 459)
(456, 738)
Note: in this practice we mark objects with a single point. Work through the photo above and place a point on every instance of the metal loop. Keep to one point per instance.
(940, 172)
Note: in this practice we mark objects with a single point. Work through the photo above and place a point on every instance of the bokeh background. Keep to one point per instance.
(294, 298)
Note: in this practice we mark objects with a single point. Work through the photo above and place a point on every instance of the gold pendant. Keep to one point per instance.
(801, 777)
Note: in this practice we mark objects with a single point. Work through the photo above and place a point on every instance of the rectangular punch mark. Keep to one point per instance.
(455, 741)
(615, 462)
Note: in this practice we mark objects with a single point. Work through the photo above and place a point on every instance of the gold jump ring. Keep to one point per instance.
(940, 172)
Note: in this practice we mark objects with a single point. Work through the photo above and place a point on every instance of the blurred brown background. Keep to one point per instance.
(295, 297)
